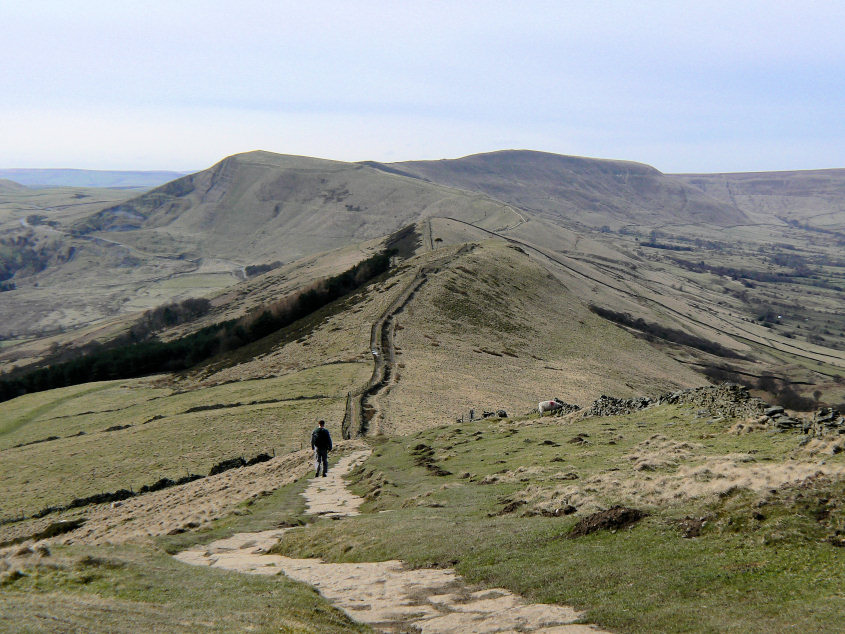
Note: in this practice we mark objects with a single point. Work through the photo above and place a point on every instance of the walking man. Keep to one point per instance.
(321, 443)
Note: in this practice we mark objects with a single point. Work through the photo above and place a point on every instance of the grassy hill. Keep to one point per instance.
(810, 197)
(7, 185)
(492, 329)
(731, 269)
(618, 234)
(464, 320)
(260, 206)
(577, 191)
(487, 324)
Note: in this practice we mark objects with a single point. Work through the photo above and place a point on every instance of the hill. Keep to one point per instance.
(200, 233)
(629, 239)
(479, 311)
(813, 198)
(89, 178)
(481, 330)
(660, 255)
(578, 191)
(261, 206)
(7, 185)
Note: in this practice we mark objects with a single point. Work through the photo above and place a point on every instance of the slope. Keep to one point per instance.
(578, 191)
(492, 329)
(259, 206)
(811, 197)
(197, 234)
(632, 240)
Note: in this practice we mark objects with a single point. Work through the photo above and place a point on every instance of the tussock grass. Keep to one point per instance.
(739, 574)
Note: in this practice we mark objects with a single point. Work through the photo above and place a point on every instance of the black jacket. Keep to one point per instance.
(321, 439)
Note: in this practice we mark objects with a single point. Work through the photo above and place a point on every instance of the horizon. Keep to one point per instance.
(185, 172)
(687, 88)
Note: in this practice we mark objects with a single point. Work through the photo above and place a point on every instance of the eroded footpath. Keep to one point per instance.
(386, 595)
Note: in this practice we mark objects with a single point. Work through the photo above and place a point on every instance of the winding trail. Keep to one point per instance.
(361, 408)
(386, 595)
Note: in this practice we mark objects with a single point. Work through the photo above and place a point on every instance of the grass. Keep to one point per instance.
(165, 438)
(194, 281)
(133, 588)
(501, 333)
(32, 407)
(283, 507)
(139, 587)
(740, 574)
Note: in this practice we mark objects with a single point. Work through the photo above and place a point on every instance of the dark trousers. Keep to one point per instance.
(321, 457)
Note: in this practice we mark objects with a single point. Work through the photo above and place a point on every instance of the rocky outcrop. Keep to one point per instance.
(720, 402)
(728, 400)
(611, 406)
(825, 422)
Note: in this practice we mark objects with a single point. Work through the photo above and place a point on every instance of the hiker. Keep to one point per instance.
(321, 443)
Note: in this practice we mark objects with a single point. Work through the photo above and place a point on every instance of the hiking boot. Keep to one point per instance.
(324, 475)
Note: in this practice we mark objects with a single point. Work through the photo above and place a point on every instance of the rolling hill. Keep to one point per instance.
(197, 234)
(577, 191)
(811, 197)
(618, 235)
(261, 206)
(598, 282)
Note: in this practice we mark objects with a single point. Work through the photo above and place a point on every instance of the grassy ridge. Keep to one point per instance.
(127, 360)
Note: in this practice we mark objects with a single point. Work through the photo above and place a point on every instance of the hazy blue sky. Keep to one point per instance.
(684, 86)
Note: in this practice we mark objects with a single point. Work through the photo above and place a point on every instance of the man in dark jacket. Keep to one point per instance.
(321, 443)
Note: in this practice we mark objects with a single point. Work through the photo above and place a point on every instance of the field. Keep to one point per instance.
(162, 433)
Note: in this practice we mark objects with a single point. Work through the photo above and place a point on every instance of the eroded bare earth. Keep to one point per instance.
(386, 595)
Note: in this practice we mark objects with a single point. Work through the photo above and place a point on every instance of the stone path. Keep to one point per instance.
(329, 496)
(385, 595)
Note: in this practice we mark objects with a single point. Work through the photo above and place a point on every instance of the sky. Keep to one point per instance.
(684, 86)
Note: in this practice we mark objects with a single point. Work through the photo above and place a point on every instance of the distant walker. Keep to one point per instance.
(321, 443)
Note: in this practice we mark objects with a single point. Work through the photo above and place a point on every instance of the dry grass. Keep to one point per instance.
(494, 330)
(184, 508)
(165, 439)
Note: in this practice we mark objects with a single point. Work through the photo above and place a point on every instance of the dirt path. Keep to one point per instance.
(361, 406)
(385, 595)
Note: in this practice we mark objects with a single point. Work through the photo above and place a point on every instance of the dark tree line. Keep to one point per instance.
(152, 357)
(667, 334)
(168, 316)
(257, 269)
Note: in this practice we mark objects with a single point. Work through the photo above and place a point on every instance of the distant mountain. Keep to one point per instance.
(577, 191)
(88, 178)
(264, 205)
(812, 197)
(7, 185)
